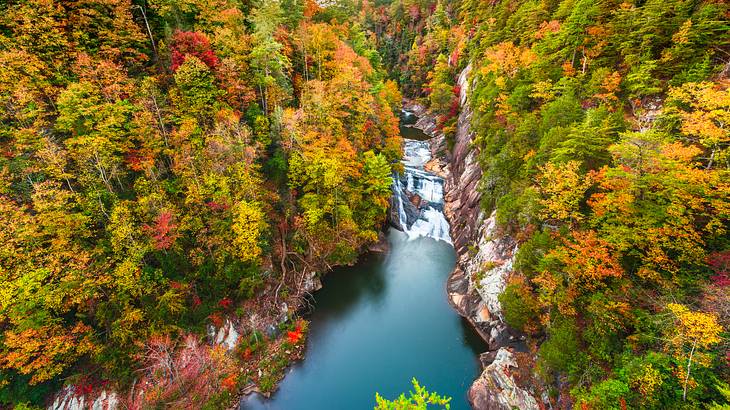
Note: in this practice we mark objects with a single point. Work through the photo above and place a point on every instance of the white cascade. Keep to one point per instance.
(431, 222)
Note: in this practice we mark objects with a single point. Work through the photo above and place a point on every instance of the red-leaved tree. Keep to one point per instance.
(163, 231)
(185, 43)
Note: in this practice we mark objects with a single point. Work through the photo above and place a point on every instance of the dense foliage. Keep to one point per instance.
(166, 164)
(604, 133)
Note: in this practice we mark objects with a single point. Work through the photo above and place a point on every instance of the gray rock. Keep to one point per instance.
(496, 389)
(272, 331)
(227, 335)
(312, 282)
(68, 399)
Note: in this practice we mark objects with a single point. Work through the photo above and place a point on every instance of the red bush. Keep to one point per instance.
(134, 160)
(295, 336)
(454, 108)
(84, 386)
(229, 383)
(216, 319)
(215, 206)
(225, 303)
(185, 43)
(170, 367)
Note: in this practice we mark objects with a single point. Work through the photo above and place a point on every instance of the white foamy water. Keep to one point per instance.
(431, 221)
(416, 153)
(425, 184)
(431, 224)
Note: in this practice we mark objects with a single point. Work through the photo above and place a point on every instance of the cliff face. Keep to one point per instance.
(462, 194)
(484, 258)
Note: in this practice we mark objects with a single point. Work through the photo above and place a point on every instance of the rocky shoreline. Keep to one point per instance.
(484, 258)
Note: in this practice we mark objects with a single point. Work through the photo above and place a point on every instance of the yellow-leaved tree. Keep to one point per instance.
(690, 336)
(248, 225)
(563, 188)
(704, 112)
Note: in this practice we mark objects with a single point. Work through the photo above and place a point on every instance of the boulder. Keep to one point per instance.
(416, 200)
(381, 246)
(226, 335)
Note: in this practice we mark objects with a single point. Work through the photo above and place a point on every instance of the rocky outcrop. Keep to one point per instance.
(70, 399)
(496, 388)
(381, 246)
(484, 257)
(479, 278)
(462, 183)
(226, 335)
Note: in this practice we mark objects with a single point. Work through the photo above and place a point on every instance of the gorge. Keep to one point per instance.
(376, 334)
(298, 204)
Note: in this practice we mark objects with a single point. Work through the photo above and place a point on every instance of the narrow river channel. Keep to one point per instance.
(380, 323)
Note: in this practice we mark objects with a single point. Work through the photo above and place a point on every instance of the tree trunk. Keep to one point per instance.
(149, 31)
(689, 366)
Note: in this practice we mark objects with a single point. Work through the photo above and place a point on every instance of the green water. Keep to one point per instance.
(378, 324)
(410, 132)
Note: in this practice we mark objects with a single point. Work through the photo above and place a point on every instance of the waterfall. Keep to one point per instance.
(398, 188)
(424, 219)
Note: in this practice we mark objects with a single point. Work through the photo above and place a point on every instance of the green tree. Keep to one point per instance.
(419, 399)
(197, 91)
(441, 86)
(267, 59)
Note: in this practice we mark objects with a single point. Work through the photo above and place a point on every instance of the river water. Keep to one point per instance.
(380, 323)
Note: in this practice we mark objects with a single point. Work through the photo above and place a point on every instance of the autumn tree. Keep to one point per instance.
(690, 336)
(562, 189)
(197, 92)
(247, 227)
(187, 43)
(704, 113)
(441, 87)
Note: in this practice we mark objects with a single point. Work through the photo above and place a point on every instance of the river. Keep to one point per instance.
(378, 324)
